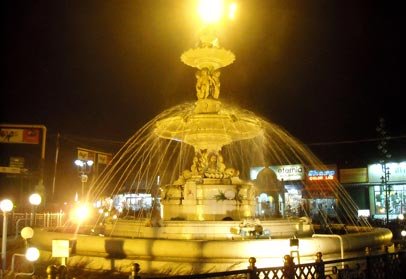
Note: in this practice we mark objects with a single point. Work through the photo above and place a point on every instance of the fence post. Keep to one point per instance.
(134, 271)
(368, 271)
(319, 265)
(252, 269)
(402, 257)
(63, 272)
(289, 267)
(51, 272)
(388, 261)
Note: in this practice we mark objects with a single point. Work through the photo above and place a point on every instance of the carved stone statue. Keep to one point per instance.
(208, 84)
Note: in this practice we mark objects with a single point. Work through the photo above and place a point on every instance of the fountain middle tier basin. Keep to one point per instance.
(209, 126)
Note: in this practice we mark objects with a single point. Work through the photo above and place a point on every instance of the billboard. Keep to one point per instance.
(20, 135)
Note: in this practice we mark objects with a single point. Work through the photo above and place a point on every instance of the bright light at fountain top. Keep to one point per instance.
(210, 126)
(212, 11)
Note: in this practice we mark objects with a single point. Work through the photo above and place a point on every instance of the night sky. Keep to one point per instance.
(324, 70)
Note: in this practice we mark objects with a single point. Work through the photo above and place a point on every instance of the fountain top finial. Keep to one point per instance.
(208, 53)
(210, 126)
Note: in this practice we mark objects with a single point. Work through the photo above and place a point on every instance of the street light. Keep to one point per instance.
(403, 234)
(385, 169)
(27, 233)
(6, 206)
(35, 200)
(80, 213)
(31, 255)
(84, 167)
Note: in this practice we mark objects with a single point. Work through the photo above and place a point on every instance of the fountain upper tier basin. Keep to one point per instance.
(209, 126)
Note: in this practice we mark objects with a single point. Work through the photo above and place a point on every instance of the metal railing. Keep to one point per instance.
(45, 220)
(379, 266)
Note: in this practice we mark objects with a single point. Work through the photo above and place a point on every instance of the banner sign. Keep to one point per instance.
(354, 175)
(397, 172)
(20, 135)
(60, 248)
(13, 170)
(103, 159)
(289, 172)
(87, 154)
(321, 174)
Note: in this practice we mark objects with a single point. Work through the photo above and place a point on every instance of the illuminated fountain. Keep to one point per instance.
(194, 159)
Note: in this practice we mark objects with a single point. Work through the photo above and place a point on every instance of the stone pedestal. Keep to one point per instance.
(208, 200)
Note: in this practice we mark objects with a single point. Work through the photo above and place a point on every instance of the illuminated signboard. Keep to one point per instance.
(321, 175)
(283, 172)
(397, 172)
(289, 172)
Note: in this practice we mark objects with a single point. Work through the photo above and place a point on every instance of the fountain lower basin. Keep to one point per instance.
(186, 256)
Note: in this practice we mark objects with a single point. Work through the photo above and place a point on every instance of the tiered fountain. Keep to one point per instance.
(206, 220)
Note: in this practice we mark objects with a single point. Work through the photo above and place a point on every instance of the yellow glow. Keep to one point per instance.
(232, 10)
(6, 205)
(35, 199)
(32, 254)
(210, 11)
(80, 213)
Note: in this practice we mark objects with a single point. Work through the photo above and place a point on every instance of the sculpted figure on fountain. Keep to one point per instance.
(207, 164)
(208, 84)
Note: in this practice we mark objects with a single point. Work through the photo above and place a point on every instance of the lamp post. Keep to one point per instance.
(385, 169)
(84, 168)
(31, 255)
(6, 206)
(35, 200)
(403, 234)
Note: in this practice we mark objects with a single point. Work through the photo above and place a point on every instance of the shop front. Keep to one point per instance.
(279, 189)
(319, 194)
(388, 196)
(355, 182)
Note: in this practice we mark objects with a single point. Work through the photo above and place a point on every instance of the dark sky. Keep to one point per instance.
(325, 70)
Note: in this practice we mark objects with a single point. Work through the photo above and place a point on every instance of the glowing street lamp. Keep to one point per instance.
(31, 254)
(84, 167)
(80, 213)
(6, 206)
(27, 233)
(35, 199)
